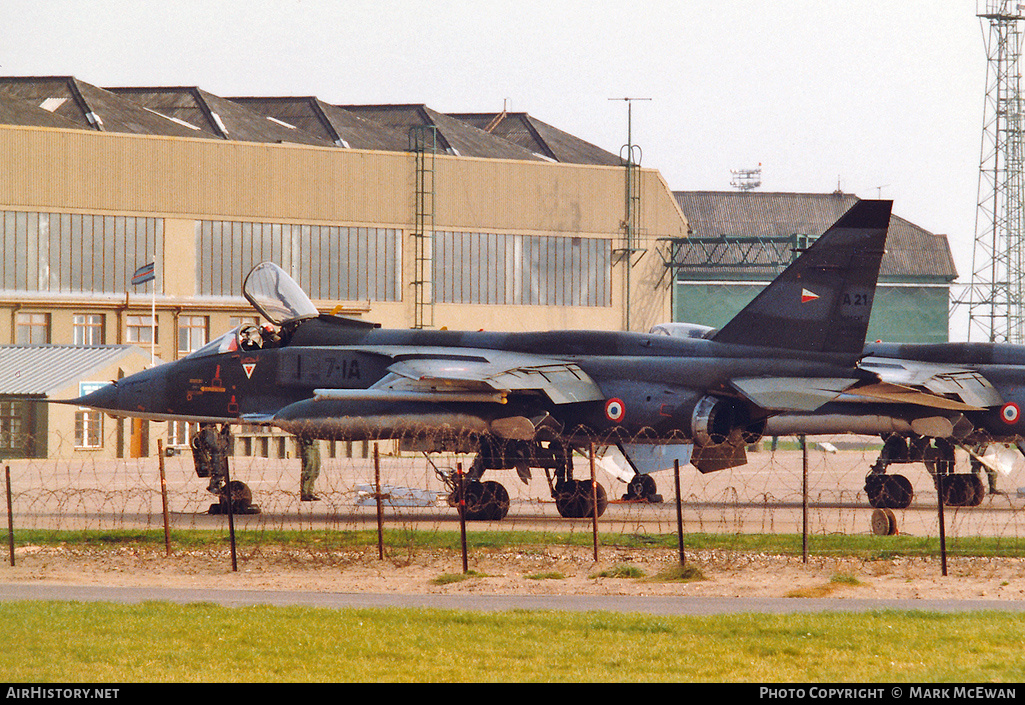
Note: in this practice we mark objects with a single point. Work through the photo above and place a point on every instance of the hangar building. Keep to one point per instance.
(740, 240)
(399, 214)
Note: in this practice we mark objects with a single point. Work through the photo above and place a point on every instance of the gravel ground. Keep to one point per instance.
(550, 571)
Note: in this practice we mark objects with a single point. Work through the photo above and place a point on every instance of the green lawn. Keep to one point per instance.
(160, 642)
(104, 643)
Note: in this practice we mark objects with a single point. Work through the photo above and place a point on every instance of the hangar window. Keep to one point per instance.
(75, 252)
(140, 330)
(535, 270)
(329, 262)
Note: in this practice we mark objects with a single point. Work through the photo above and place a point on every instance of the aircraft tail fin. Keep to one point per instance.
(822, 301)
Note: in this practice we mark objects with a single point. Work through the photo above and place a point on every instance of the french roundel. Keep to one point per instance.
(615, 409)
(1010, 413)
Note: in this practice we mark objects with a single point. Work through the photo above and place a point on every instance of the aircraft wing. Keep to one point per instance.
(429, 374)
(792, 393)
(927, 384)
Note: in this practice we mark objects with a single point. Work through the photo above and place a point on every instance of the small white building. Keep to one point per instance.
(31, 376)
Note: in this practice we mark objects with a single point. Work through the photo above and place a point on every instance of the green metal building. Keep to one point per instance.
(740, 240)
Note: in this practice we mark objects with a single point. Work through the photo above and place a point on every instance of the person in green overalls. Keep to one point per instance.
(309, 453)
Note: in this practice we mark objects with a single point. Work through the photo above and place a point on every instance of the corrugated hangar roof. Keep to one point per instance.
(454, 136)
(41, 370)
(219, 117)
(912, 253)
(540, 138)
(15, 111)
(88, 107)
(189, 111)
(328, 122)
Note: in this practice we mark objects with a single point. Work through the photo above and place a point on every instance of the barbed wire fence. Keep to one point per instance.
(91, 492)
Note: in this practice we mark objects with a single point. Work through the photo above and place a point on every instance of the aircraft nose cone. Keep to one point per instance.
(103, 398)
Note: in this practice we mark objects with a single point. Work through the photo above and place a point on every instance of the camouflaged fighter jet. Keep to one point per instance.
(929, 400)
(528, 400)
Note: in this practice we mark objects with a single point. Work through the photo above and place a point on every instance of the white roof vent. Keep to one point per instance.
(51, 104)
(219, 123)
(281, 122)
(173, 119)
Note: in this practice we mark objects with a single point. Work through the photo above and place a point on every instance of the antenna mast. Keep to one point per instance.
(630, 153)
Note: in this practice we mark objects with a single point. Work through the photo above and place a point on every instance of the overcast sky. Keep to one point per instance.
(874, 96)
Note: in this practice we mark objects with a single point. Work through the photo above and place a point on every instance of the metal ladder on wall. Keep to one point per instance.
(423, 143)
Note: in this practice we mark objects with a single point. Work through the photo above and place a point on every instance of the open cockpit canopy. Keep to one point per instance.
(276, 295)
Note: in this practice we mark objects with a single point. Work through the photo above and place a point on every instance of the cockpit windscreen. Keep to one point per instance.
(276, 295)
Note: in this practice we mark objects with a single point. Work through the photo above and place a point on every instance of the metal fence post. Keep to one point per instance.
(10, 515)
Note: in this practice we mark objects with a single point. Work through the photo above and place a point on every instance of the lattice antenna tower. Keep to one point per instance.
(996, 312)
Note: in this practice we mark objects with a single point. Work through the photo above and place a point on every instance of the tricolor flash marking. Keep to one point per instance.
(615, 409)
(807, 296)
(1010, 413)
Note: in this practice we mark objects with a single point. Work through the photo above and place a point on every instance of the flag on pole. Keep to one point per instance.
(143, 274)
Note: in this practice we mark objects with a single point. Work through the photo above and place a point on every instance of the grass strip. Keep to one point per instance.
(162, 642)
(868, 547)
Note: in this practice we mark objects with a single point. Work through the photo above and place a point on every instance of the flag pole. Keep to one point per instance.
(147, 273)
(153, 317)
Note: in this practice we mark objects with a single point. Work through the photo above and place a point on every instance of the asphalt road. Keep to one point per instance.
(695, 606)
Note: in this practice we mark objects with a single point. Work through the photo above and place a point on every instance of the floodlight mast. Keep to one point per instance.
(746, 179)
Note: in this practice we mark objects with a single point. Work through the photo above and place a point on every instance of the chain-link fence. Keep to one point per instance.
(772, 493)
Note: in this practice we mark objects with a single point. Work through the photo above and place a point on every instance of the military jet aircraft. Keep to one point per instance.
(529, 400)
(927, 401)
(930, 399)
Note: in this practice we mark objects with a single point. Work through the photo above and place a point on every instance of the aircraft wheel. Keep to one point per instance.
(497, 499)
(963, 490)
(888, 491)
(486, 501)
(641, 487)
(573, 499)
(979, 490)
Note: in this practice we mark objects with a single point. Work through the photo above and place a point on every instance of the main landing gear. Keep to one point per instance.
(489, 500)
(894, 491)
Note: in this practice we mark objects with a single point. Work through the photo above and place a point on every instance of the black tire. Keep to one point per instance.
(873, 488)
(979, 491)
(963, 490)
(497, 500)
(574, 500)
(486, 501)
(641, 487)
(889, 491)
